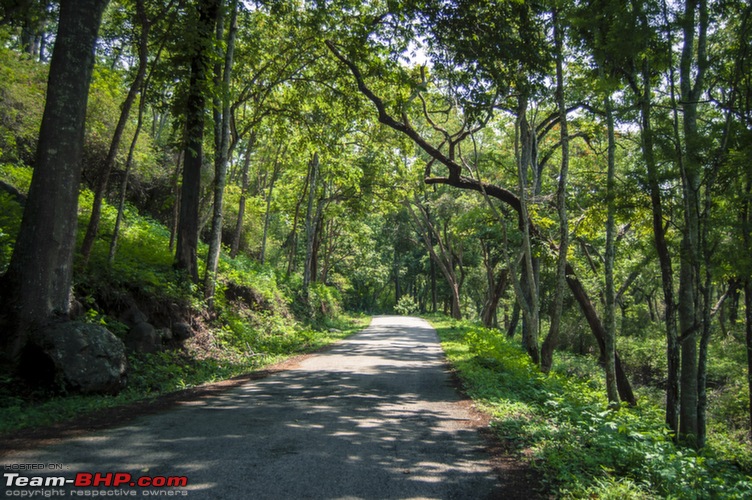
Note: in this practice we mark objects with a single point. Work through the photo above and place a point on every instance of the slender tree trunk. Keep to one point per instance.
(610, 316)
(293, 238)
(514, 321)
(267, 212)
(529, 292)
(310, 222)
(109, 163)
(318, 225)
(664, 256)
(238, 233)
(443, 258)
(38, 282)
(691, 85)
(496, 288)
(176, 205)
(549, 344)
(126, 175)
(596, 327)
(222, 140)
(188, 226)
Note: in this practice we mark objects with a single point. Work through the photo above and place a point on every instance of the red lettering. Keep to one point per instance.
(83, 479)
(177, 481)
(121, 478)
(102, 480)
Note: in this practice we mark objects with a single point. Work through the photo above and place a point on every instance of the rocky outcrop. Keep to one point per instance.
(80, 357)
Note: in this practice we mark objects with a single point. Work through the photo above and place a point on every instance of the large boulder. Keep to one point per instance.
(80, 357)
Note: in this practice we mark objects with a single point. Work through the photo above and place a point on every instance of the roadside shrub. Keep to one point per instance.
(561, 421)
(406, 306)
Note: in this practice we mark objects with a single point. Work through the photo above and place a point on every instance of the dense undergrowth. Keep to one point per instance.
(561, 423)
(258, 317)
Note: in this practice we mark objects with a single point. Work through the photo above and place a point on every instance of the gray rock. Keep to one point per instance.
(133, 316)
(82, 357)
(165, 334)
(143, 338)
(182, 331)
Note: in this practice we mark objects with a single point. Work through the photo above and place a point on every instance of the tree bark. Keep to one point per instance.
(126, 176)
(691, 79)
(552, 338)
(578, 292)
(496, 288)
(528, 296)
(238, 233)
(37, 285)
(222, 141)
(267, 211)
(664, 256)
(109, 163)
(188, 226)
(609, 350)
(310, 223)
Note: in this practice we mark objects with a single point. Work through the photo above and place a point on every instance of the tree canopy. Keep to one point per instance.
(574, 174)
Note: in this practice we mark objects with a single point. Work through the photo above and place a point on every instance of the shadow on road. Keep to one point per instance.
(374, 417)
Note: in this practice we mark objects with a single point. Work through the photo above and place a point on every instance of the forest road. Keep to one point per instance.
(374, 417)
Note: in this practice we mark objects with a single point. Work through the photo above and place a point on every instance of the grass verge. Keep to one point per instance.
(561, 423)
(153, 375)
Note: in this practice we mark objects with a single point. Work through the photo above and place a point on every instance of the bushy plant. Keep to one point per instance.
(406, 306)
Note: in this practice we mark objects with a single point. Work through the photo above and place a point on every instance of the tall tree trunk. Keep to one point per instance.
(188, 226)
(664, 256)
(691, 79)
(109, 163)
(529, 300)
(222, 141)
(267, 211)
(38, 282)
(318, 228)
(610, 316)
(310, 222)
(238, 233)
(549, 344)
(292, 240)
(513, 321)
(176, 205)
(126, 175)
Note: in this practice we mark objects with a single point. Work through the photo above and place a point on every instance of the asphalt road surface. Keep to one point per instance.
(374, 417)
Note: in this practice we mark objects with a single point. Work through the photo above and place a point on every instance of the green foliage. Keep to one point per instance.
(321, 303)
(22, 89)
(251, 327)
(406, 306)
(584, 449)
(18, 176)
(10, 222)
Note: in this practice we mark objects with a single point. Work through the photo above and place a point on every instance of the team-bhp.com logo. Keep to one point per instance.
(83, 484)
